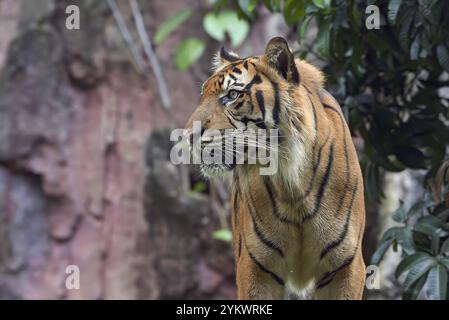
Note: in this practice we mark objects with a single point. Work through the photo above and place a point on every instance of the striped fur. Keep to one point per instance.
(303, 226)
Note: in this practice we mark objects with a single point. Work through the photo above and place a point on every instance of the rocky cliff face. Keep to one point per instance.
(75, 189)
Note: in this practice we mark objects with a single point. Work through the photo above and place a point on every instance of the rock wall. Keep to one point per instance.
(75, 189)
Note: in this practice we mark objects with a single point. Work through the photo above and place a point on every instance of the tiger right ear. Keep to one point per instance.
(279, 56)
(223, 58)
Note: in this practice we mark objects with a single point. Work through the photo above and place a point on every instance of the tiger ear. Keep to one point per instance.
(223, 58)
(279, 56)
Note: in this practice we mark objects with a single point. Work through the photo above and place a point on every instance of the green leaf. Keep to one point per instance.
(414, 49)
(445, 262)
(435, 244)
(272, 5)
(410, 156)
(380, 251)
(188, 51)
(223, 235)
(425, 228)
(322, 4)
(294, 11)
(404, 36)
(405, 239)
(392, 233)
(399, 215)
(410, 261)
(248, 7)
(393, 9)
(413, 292)
(199, 187)
(304, 25)
(323, 39)
(226, 22)
(417, 271)
(171, 24)
(437, 283)
(252, 5)
(445, 247)
(443, 57)
(416, 209)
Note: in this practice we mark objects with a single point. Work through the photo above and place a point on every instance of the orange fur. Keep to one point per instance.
(302, 227)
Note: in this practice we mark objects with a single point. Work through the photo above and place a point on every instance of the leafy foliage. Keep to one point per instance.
(424, 239)
(217, 25)
(188, 51)
(171, 24)
(223, 235)
(226, 22)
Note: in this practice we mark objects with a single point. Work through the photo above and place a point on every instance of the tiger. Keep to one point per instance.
(300, 229)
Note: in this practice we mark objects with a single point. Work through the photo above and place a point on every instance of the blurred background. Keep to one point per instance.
(90, 90)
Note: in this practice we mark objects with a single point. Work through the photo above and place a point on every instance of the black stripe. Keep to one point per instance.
(232, 77)
(277, 106)
(315, 166)
(245, 64)
(238, 105)
(320, 151)
(259, 233)
(317, 161)
(344, 232)
(307, 89)
(258, 122)
(236, 70)
(343, 128)
(256, 80)
(295, 74)
(345, 146)
(315, 119)
(260, 101)
(230, 121)
(236, 207)
(325, 283)
(238, 84)
(272, 197)
(261, 267)
(332, 108)
(239, 249)
(323, 184)
(226, 56)
(330, 275)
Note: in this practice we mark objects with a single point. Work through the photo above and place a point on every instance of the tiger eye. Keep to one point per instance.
(233, 94)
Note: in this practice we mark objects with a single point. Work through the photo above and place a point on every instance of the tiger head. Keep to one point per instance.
(257, 92)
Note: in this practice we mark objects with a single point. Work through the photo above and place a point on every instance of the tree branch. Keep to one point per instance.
(143, 34)
(138, 59)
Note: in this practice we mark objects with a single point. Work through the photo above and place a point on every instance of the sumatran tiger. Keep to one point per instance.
(300, 228)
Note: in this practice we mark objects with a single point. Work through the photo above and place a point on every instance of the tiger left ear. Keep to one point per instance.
(279, 56)
(223, 58)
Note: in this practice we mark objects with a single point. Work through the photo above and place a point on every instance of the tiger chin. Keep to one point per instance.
(210, 171)
(301, 227)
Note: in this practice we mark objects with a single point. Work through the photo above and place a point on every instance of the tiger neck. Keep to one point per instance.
(287, 182)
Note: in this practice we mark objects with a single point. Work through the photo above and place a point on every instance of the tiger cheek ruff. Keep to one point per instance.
(300, 228)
